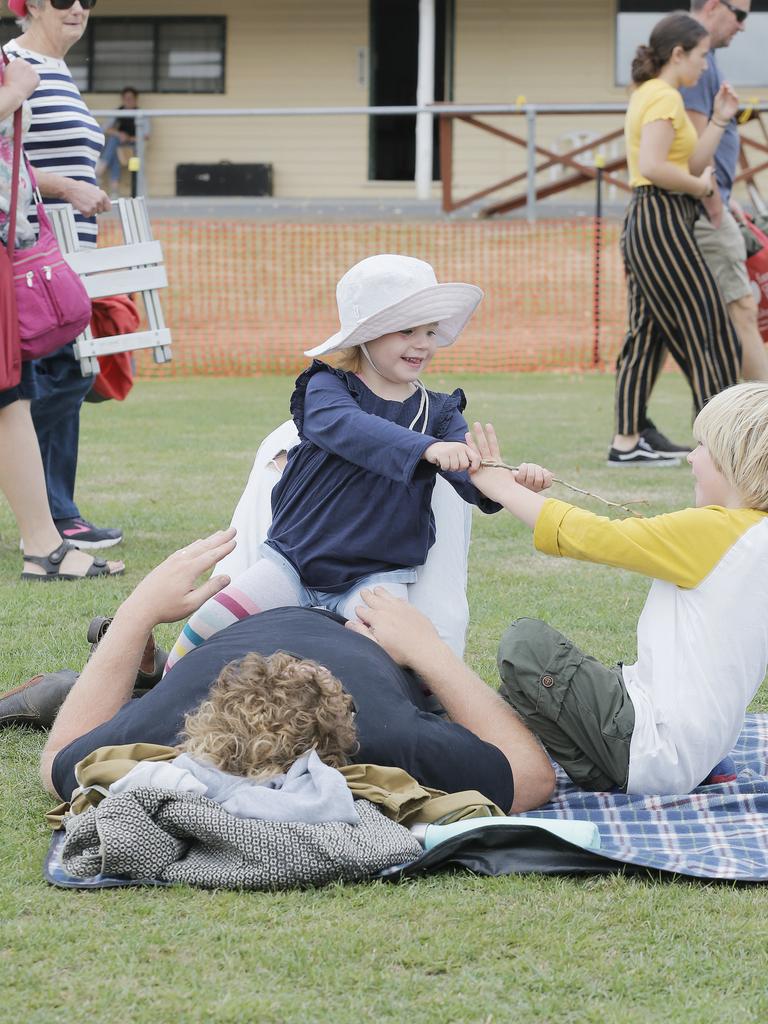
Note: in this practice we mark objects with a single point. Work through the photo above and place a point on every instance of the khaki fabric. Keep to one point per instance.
(96, 773)
(396, 793)
(725, 253)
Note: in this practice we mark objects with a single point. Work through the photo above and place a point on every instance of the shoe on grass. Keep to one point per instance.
(52, 566)
(87, 536)
(663, 445)
(37, 701)
(723, 772)
(641, 455)
(152, 663)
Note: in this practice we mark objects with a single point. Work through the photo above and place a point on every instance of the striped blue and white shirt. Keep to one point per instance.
(64, 137)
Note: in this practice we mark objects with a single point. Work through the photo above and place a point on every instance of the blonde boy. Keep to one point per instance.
(657, 726)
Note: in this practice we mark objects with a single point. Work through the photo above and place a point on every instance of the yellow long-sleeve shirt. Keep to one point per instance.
(702, 637)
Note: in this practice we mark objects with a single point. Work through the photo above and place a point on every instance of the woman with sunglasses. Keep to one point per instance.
(22, 480)
(63, 145)
(674, 303)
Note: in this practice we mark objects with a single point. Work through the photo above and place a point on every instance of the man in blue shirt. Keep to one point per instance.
(483, 746)
(717, 234)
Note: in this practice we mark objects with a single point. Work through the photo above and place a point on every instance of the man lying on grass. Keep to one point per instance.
(484, 746)
(657, 726)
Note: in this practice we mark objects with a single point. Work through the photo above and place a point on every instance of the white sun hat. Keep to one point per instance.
(387, 293)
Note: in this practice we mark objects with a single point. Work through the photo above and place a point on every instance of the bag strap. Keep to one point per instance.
(15, 169)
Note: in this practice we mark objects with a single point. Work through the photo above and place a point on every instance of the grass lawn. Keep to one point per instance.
(168, 466)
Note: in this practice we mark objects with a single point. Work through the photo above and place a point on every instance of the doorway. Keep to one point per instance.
(394, 49)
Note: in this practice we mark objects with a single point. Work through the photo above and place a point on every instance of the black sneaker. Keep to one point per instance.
(641, 455)
(659, 443)
(85, 535)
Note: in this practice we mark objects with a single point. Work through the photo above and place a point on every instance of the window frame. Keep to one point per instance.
(155, 21)
(661, 8)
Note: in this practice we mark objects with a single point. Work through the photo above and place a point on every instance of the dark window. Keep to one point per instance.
(394, 44)
(742, 62)
(184, 55)
(122, 53)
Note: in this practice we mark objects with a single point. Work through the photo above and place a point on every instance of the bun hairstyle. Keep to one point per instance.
(677, 29)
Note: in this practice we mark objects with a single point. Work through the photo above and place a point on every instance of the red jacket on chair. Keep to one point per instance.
(115, 314)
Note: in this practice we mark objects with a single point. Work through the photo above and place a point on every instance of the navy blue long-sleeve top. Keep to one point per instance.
(355, 496)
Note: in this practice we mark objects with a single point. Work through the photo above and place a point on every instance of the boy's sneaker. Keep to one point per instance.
(87, 536)
(662, 444)
(724, 771)
(641, 455)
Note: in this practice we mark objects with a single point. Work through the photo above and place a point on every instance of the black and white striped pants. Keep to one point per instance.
(674, 304)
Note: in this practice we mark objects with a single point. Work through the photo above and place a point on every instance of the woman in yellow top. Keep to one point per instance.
(674, 302)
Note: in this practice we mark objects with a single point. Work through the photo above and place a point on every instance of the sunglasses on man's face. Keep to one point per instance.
(64, 5)
(739, 15)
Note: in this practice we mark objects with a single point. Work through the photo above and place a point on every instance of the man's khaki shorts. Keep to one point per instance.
(579, 709)
(724, 252)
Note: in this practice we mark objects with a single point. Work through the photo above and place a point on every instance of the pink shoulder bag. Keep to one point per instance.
(52, 304)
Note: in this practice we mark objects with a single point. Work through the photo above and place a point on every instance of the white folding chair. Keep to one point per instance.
(137, 266)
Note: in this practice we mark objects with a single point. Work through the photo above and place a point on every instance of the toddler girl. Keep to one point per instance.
(352, 509)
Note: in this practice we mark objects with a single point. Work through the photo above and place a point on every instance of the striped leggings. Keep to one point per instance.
(674, 304)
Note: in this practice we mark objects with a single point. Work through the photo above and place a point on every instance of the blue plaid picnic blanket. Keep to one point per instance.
(717, 831)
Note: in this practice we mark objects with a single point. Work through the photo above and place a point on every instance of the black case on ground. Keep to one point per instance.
(224, 179)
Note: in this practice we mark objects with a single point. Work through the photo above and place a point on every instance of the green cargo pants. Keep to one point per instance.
(579, 709)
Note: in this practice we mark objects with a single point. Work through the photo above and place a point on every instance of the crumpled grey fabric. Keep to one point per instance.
(310, 791)
(185, 837)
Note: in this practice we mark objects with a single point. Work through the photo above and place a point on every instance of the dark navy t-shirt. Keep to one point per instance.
(393, 727)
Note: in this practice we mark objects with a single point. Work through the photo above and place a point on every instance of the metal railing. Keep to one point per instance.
(467, 112)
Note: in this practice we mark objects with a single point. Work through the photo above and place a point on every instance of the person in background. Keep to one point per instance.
(46, 555)
(122, 132)
(717, 231)
(63, 144)
(674, 303)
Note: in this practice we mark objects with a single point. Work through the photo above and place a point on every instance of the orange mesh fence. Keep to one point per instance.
(247, 297)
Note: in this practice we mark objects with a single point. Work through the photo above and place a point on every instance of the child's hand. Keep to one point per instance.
(484, 444)
(534, 477)
(452, 456)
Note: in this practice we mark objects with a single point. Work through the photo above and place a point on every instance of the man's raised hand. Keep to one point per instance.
(170, 592)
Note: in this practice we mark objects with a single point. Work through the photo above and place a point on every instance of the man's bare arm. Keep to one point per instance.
(713, 204)
(168, 594)
(411, 639)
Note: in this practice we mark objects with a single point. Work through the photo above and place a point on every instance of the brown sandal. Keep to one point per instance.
(52, 565)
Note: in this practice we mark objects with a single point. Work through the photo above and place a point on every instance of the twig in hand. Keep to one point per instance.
(577, 490)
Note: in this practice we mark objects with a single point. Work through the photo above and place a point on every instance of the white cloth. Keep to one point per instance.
(310, 791)
(440, 591)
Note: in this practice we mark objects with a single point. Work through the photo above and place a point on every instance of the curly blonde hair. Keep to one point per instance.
(263, 713)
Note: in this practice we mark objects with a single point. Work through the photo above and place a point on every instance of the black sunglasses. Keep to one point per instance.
(739, 15)
(64, 5)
